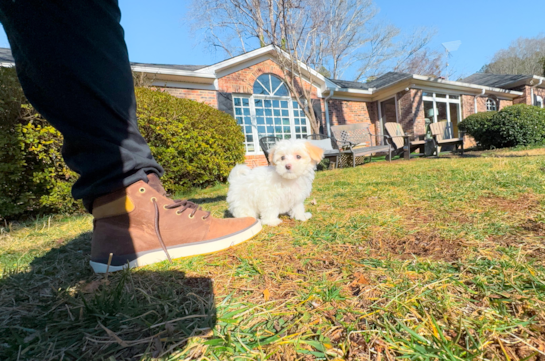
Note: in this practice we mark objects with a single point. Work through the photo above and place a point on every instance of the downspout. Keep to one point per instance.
(532, 90)
(331, 92)
(476, 96)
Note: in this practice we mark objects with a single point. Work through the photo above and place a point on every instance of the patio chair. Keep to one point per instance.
(326, 143)
(443, 135)
(400, 141)
(357, 139)
(267, 143)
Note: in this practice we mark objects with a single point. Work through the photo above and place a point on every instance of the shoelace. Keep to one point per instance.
(185, 204)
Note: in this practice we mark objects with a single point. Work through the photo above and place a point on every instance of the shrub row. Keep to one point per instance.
(196, 144)
(519, 124)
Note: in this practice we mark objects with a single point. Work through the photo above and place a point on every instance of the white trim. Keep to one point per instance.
(183, 85)
(170, 71)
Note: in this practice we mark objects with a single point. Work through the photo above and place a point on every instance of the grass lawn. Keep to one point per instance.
(439, 258)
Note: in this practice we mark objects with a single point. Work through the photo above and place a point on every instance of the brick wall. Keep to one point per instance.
(411, 111)
(204, 96)
(468, 105)
(350, 112)
(255, 160)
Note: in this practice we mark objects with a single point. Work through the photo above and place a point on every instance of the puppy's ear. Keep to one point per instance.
(271, 156)
(315, 153)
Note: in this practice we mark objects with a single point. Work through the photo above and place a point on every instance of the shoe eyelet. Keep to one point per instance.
(153, 199)
(204, 219)
(178, 213)
(164, 206)
(191, 216)
(142, 190)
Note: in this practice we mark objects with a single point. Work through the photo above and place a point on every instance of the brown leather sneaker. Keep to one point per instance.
(140, 225)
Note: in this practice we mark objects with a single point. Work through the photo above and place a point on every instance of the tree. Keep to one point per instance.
(307, 34)
(425, 62)
(523, 56)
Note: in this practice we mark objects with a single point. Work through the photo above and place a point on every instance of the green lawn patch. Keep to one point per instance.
(429, 259)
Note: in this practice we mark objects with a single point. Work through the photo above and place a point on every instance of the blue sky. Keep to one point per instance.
(157, 32)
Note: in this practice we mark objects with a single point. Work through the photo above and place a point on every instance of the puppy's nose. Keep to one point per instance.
(288, 166)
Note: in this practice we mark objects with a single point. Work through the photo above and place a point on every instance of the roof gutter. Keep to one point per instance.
(532, 90)
(328, 125)
(476, 96)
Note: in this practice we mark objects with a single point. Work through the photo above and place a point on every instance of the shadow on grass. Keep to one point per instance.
(201, 201)
(59, 309)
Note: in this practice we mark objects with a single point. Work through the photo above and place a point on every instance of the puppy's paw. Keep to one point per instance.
(304, 217)
(271, 222)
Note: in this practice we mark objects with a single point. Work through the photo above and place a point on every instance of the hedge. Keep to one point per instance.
(195, 143)
(519, 124)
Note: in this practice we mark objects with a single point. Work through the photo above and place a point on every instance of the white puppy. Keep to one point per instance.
(282, 187)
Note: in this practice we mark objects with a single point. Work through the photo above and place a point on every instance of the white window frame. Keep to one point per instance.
(255, 134)
(446, 100)
(491, 101)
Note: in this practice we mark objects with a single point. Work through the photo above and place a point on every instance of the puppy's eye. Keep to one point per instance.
(282, 158)
(298, 156)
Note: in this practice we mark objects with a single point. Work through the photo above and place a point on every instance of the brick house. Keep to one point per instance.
(250, 88)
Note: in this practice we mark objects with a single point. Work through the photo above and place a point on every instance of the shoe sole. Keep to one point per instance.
(190, 250)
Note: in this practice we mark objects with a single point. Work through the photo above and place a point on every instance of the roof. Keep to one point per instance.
(380, 82)
(5, 56)
(170, 66)
(494, 80)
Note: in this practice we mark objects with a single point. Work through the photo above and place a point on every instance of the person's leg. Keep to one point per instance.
(73, 65)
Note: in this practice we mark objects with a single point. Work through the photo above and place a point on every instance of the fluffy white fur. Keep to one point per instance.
(282, 187)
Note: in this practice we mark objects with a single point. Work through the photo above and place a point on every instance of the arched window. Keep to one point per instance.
(268, 84)
(491, 105)
(538, 101)
(270, 111)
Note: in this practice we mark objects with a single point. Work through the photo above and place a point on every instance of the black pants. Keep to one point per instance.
(73, 65)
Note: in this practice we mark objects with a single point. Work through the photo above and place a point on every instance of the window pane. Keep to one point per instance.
(455, 97)
(276, 103)
(239, 120)
(287, 130)
(277, 121)
(238, 111)
(284, 104)
(262, 85)
(285, 121)
(282, 91)
(260, 120)
(275, 83)
(270, 130)
(298, 129)
(454, 110)
(261, 131)
(248, 130)
(237, 101)
(247, 120)
(246, 111)
(440, 95)
(250, 147)
(268, 112)
(441, 112)
(276, 112)
(269, 120)
(305, 130)
(278, 129)
(298, 136)
(268, 103)
(259, 112)
(303, 121)
(285, 113)
(297, 121)
(245, 102)
(249, 138)
(258, 102)
(427, 94)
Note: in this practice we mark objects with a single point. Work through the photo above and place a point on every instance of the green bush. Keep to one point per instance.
(196, 144)
(479, 127)
(31, 167)
(515, 125)
(519, 125)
